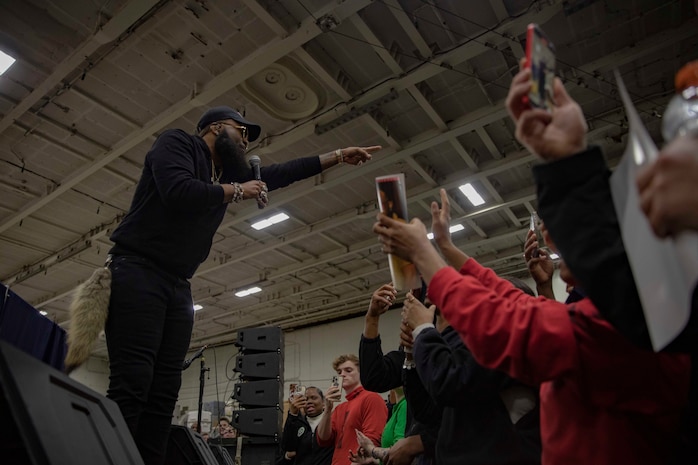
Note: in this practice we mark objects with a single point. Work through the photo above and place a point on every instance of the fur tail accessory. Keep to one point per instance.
(88, 315)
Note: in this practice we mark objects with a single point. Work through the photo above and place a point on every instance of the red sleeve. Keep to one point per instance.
(529, 338)
(375, 417)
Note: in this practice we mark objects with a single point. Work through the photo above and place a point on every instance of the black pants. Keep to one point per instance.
(148, 332)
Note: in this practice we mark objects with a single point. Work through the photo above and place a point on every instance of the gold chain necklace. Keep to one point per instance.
(215, 175)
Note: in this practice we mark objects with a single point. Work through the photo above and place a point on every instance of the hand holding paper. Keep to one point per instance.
(392, 201)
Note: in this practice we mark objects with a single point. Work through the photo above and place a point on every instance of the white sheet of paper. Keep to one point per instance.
(665, 271)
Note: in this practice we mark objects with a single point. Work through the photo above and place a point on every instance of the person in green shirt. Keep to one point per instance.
(395, 427)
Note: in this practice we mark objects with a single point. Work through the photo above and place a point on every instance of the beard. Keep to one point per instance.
(235, 167)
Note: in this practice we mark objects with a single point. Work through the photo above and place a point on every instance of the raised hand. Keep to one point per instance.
(358, 155)
(540, 265)
(441, 220)
(381, 299)
(406, 339)
(400, 238)
(297, 404)
(553, 135)
(666, 188)
(414, 313)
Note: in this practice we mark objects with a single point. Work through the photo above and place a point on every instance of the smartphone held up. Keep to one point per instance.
(535, 226)
(336, 396)
(297, 390)
(540, 59)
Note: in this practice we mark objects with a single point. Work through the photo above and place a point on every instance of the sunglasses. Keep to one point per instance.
(244, 132)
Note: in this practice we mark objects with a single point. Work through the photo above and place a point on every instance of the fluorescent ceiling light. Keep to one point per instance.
(278, 218)
(469, 191)
(42, 311)
(246, 292)
(452, 229)
(197, 307)
(5, 61)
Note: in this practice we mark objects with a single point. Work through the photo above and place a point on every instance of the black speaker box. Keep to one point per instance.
(258, 421)
(268, 339)
(264, 365)
(222, 455)
(187, 447)
(48, 418)
(229, 444)
(264, 393)
(259, 451)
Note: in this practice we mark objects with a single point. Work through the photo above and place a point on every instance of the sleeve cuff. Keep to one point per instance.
(570, 171)
(420, 328)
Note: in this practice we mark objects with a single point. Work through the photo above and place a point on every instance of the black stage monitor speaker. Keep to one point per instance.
(269, 339)
(258, 421)
(48, 418)
(265, 365)
(221, 454)
(264, 393)
(229, 444)
(187, 447)
(259, 451)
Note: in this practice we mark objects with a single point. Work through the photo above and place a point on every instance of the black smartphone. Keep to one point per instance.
(540, 58)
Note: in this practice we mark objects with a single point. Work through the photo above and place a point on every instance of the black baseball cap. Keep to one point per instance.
(222, 113)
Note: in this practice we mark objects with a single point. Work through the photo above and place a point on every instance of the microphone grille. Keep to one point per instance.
(254, 160)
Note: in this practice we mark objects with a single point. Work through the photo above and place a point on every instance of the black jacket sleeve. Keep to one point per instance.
(428, 433)
(379, 373)
(421, 407)
(282, 174)
(171, 162)
(448, 370)
(289, 437)
(574, 200)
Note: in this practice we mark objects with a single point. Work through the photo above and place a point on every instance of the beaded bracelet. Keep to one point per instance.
(239, 192)
(380, 457)
(339, 156)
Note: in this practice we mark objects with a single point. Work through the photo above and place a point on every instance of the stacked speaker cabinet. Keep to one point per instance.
(260, 364)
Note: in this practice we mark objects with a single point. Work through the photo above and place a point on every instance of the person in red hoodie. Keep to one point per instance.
(603, 400)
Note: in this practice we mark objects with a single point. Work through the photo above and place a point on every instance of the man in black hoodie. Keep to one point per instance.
(187, 183)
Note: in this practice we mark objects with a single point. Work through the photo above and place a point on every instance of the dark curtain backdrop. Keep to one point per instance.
(24, 327)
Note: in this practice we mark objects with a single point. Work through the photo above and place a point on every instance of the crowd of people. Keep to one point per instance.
(492, 373)
(487, 372)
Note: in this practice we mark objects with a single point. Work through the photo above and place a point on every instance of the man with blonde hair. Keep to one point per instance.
(363, 411)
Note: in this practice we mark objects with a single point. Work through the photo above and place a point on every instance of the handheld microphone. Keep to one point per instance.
(255, 161)
(198, 354)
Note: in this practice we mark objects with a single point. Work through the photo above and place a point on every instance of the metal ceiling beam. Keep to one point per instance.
(228, 79)
(435, 66)
(116, 26)
(408, 26)
(648, 45)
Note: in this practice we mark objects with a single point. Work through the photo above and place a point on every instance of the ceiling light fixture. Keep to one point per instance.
(469, 191)
(5, 61)
(248, 291)
(278, 218)
(452, 229)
